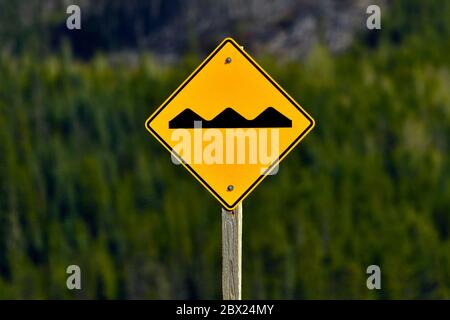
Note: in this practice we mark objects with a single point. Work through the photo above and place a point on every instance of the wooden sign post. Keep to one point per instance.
(219, 117)
(232, 253)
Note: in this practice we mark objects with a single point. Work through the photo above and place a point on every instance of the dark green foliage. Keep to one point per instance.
(82, 181)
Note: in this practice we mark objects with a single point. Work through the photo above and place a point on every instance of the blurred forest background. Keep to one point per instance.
(82, 182)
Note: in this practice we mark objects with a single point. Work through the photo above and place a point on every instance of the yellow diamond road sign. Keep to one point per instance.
(230, 124)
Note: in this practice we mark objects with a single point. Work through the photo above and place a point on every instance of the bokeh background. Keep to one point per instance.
(82, 182)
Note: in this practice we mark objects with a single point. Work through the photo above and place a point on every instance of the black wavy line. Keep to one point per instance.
(229, 118)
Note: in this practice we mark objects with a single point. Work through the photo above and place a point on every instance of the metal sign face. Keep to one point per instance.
(230, 124)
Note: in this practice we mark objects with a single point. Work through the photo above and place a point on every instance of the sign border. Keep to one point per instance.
(272, 165)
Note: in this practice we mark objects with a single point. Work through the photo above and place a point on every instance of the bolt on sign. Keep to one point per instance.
(230, 124)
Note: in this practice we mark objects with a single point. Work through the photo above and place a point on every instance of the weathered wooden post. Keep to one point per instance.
(232, 253)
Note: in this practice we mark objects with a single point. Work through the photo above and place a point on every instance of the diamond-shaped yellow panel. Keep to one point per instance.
(229, 123)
